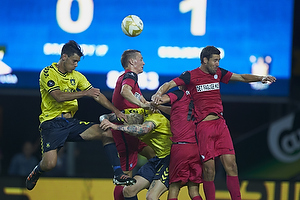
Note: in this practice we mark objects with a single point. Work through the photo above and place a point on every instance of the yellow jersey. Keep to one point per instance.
(52, 79)
(159, 138)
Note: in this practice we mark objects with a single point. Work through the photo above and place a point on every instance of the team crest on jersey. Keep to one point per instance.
(72, 81)
(50, 83)
(207, 87)
(216, 76)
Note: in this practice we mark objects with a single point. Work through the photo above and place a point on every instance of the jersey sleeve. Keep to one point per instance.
(175, 95)
(130, 78)
(183, 79)
(225, 75)
(83, 83)
(48, 80)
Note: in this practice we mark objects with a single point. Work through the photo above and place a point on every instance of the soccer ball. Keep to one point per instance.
(132, 25)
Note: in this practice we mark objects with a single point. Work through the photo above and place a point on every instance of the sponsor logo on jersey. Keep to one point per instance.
(208, 87)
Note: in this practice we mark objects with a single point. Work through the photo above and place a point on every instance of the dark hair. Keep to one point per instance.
(71, 48)
(208, 51)
(128, 54)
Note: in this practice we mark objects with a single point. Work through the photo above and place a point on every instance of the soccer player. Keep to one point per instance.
(59, 85)
(127, 94)
(212, 132)
(185, 163)
(154, 130)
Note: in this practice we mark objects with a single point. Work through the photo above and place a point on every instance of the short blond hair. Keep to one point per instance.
(134, 118)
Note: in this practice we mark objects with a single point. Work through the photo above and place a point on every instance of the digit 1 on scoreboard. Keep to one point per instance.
(198, 15)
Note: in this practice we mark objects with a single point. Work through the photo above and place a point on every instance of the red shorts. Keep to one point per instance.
(128, 148)
(214, 139)
(185, 164)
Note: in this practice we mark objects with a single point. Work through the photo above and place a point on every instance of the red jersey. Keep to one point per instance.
(181, 119)
(205, 90)
(130, 78)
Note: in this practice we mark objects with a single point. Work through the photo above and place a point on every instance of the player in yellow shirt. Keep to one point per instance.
(154, 130)
(60, 87)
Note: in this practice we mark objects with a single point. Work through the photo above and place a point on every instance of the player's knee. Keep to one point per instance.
(106, 137)
(107, 133)
(231, 169)
(208, 171)
(129, 192)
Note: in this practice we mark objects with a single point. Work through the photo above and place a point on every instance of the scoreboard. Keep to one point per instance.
(254, 37)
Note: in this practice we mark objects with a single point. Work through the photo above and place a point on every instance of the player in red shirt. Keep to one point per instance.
(185, 165)
(127, 94)
(212, 132)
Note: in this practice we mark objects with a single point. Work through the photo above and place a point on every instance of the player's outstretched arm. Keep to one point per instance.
(112, 117)
(60, 96)
(247, 78)
(134, 129)
(157, 97)
(101, 99)
(166, 109)
(126, 92)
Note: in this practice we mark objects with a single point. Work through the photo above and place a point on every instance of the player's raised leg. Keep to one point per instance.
(47, 163)
(96, 133)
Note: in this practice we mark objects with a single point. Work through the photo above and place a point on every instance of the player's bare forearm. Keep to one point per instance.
(250, 78)
(247, 78)
(164, 99)
(107, 104)
(60, 96)
(101, 99)
(137, 129)
(156, 98)
(128, 95)
(134, 130)
(165, 109)
(143, 100)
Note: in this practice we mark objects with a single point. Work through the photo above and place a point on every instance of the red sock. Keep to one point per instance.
(197, 198)
(209, 190)
(118, 192)
(233, 186)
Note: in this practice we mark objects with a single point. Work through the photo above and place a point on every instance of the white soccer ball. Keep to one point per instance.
(132, 25)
